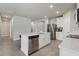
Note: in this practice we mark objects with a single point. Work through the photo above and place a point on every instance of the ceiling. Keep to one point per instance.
(36, 11)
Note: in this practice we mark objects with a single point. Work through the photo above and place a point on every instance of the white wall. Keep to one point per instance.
(20, 25)
(4, 28)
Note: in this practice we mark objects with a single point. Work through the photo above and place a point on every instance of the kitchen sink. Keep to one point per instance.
(73, 36)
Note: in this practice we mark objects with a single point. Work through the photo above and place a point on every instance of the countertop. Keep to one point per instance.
(74, 33)
(31, 34)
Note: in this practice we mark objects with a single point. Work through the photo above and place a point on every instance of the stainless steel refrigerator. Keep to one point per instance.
(52, 28)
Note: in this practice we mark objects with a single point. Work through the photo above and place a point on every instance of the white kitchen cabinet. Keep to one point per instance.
(69, 47)
(59, 35)
(24, 44)
(44, 39)
(67, 52)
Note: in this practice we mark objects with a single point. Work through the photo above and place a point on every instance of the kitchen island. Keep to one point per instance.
(43, 40)
(69, 47)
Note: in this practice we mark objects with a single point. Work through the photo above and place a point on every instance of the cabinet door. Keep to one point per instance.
(47, 39)
(59, 35)
(41, 42)
(44, 40)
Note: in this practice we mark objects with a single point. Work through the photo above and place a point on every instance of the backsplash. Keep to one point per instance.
(76, 27)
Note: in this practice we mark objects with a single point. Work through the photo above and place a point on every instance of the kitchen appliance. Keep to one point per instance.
(59, 29)
(77, 15)
(20, 41)
(52, 28)
(33, 44)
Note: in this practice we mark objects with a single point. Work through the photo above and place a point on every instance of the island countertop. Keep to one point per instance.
(31, 34)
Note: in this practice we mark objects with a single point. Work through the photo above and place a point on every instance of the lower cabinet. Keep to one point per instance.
(44, 39)
(67, 52)
(59, 35)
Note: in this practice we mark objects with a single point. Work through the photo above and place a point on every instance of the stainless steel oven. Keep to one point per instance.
(33, 44)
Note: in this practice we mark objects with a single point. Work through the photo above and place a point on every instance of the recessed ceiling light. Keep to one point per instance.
(51, 6)
(32, 23)
(45, 16)
(57, 12)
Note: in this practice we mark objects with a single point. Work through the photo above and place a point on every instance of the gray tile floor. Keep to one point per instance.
(8, 47)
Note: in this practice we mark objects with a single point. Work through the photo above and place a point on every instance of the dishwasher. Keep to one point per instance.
(33, 44)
